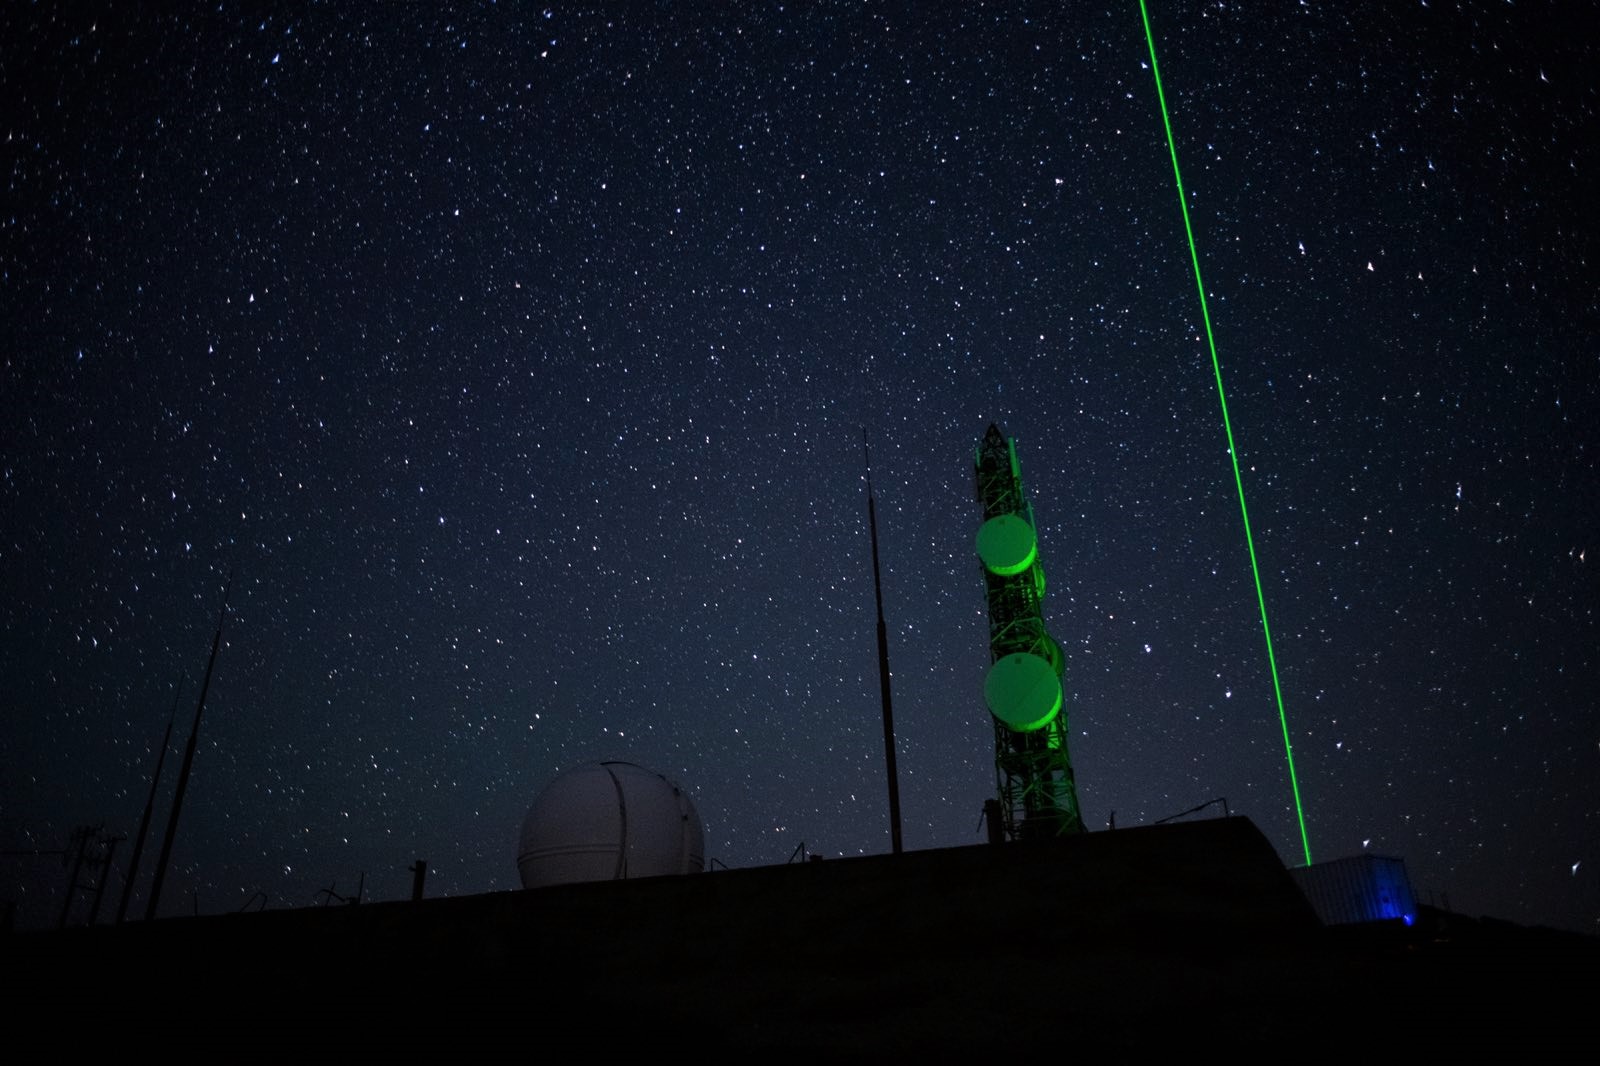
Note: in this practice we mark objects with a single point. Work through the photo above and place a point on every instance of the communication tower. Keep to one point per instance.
(1023, 687)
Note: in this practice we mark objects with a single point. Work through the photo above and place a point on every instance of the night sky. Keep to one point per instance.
(515, 361)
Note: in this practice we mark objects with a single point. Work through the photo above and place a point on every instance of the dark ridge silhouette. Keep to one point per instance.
(1179, 936)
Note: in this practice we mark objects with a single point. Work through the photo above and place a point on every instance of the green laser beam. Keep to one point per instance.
(1227, 425)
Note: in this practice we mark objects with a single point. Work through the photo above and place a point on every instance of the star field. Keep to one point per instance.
(514, 361)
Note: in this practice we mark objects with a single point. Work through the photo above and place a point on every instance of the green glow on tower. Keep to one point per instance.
(1023, 687)
(1007, 546)
(1233, 454)
(1023, 691)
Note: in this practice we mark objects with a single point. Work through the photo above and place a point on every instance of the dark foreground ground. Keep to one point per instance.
(1184, 937)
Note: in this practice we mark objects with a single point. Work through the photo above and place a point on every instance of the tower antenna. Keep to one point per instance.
(1038, 797)
(883, 658)
(188, 761)
(149, 805)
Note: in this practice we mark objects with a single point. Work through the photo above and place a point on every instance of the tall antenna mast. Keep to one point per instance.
(188, 762)
(883, 658)
(149, 806)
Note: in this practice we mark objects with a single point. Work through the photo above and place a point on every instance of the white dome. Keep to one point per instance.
(606, 821)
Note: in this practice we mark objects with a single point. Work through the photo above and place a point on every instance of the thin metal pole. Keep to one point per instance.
(105, 874)
(149, 806)
(82, 833)
(883, 659)
(188, 764)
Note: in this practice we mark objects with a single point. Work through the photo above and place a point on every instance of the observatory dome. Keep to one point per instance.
(606, 821)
